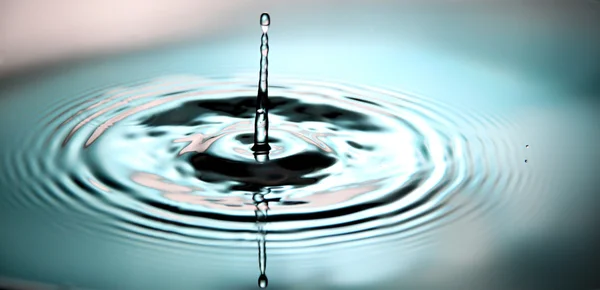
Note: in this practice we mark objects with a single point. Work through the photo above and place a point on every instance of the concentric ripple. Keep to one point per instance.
(170, 159)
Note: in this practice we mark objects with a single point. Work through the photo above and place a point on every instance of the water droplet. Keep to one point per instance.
(263, 282)
(526, 161)
(526, 146)
(265, 19)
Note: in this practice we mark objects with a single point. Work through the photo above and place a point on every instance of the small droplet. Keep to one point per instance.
(265, 20)
(263, 282)
(526, 146)
(525, 160)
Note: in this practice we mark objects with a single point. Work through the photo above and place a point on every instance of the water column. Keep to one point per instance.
(261, 147)
(261, 121)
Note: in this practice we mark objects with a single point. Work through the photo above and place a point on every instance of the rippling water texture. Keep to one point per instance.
(137, 173)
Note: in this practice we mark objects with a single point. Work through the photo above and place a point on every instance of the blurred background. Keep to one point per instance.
(535, 62)
(522, 36)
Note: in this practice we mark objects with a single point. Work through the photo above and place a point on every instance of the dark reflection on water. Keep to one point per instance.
(254, 176)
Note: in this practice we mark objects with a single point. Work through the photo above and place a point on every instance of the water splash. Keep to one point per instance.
(261, 146)
(172, 161)
(261, 120)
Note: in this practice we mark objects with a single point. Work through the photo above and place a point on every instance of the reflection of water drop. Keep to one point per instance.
(263, 282)
(261, 207)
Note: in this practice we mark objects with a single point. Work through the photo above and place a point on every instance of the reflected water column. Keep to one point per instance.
(261, 208)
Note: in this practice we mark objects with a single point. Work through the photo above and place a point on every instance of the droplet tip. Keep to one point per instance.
(265, 19)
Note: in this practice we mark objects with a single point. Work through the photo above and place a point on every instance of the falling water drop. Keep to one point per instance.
(526, 161)
(526, 146)
(261, 120)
